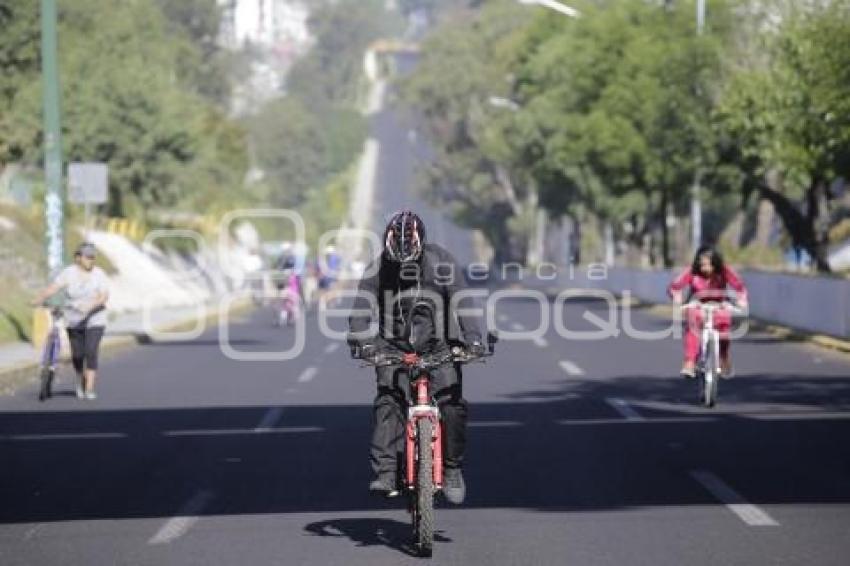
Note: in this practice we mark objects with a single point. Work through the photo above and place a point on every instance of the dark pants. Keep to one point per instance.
(390, 415)
(85, 343)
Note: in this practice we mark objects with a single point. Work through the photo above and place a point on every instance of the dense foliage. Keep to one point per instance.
(615, 116)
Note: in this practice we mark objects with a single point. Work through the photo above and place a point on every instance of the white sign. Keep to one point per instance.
(88, 183)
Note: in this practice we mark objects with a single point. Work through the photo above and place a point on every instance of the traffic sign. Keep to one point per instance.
(88, 183)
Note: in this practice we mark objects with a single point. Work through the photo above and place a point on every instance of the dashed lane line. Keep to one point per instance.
(308, 374)
(332, 347)
(624, 409)
(751, 514)
(571, 368)
(180, 524)
(269, 419)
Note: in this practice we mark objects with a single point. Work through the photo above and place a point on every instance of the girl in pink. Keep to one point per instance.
(707, 279)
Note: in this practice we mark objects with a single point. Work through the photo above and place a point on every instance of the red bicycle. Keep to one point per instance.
(423, 447)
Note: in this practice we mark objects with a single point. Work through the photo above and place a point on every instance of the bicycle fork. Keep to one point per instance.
(710, 337)
(424, 409)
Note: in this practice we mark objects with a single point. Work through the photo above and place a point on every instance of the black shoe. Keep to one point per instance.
(385, 484)
(454, 488)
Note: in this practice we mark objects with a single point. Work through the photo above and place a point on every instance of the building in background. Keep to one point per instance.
(275, 33)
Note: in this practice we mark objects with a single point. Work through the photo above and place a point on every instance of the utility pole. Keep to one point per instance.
(696, 204)
(54, 201)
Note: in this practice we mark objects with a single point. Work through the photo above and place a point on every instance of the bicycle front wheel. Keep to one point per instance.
(424, 488)
(46, 391)
(710, 376)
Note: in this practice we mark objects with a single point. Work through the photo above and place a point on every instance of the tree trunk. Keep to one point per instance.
(665, 232)
(800, 227)
(764, 223)
(731, 235)
(818, 216)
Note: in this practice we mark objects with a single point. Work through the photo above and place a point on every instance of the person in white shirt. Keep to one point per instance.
(87, 290)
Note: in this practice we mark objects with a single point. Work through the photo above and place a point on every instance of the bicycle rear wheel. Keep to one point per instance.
(424, 516)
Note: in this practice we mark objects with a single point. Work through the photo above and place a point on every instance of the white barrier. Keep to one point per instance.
(814, 304)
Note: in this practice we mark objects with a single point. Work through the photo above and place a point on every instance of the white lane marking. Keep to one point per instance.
(308, 374)
(570, 368)
(70, 436)
(660, 420)
(517, 327)
(269, 419)
(332, 347)
(493, 424)
(179, 525)
(32, 531)
(624, 409)
(237, 431)
(541, 342)
(747, 512)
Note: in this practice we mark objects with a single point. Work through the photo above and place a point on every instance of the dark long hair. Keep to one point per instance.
(716, 260)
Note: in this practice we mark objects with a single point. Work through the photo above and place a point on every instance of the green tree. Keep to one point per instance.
(20, 63)
(618, 105)
(475, 172)
(201, 62)
(785, 121)
(289, 147)
(124, 104)
(331, 73)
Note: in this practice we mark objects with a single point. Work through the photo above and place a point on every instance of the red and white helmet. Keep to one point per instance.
(404, 237)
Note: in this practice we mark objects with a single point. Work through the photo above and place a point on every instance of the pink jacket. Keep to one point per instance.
(709, 289)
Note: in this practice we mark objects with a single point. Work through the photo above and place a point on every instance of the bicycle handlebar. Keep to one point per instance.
(428, 361)
(713, 306)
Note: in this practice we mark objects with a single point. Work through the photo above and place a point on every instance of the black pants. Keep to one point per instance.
(85, 343)
(390, 414)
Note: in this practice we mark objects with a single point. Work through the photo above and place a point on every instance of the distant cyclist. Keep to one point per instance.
(87, 290)
(707, 280)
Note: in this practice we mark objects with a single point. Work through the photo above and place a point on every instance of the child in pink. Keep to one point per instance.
(707, 279)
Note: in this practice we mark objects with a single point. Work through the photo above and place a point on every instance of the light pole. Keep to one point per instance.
(696, 204)
(54, 203)
(554, 5)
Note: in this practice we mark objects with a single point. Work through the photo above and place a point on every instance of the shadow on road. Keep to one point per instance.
(573, 451)
(371, 532)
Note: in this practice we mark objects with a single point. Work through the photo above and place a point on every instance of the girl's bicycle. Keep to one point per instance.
(708, 362)
(423, 448)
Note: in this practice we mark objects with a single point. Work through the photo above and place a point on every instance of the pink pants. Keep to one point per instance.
(722, 322)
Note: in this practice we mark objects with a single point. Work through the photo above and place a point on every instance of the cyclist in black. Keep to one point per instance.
(412, 283)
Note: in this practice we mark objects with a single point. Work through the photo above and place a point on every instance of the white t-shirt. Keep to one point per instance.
(82, 288)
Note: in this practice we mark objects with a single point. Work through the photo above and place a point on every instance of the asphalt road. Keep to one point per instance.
(580, 452)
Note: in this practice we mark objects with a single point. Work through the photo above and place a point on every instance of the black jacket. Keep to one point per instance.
(414, 303)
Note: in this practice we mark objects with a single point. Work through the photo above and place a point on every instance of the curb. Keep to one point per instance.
(13, 377)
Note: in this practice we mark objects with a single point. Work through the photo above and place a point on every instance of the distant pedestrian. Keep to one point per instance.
(87, 290)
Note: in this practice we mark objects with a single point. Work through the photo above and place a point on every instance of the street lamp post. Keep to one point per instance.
(53, 197)
(554, 5)
(696, 203)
